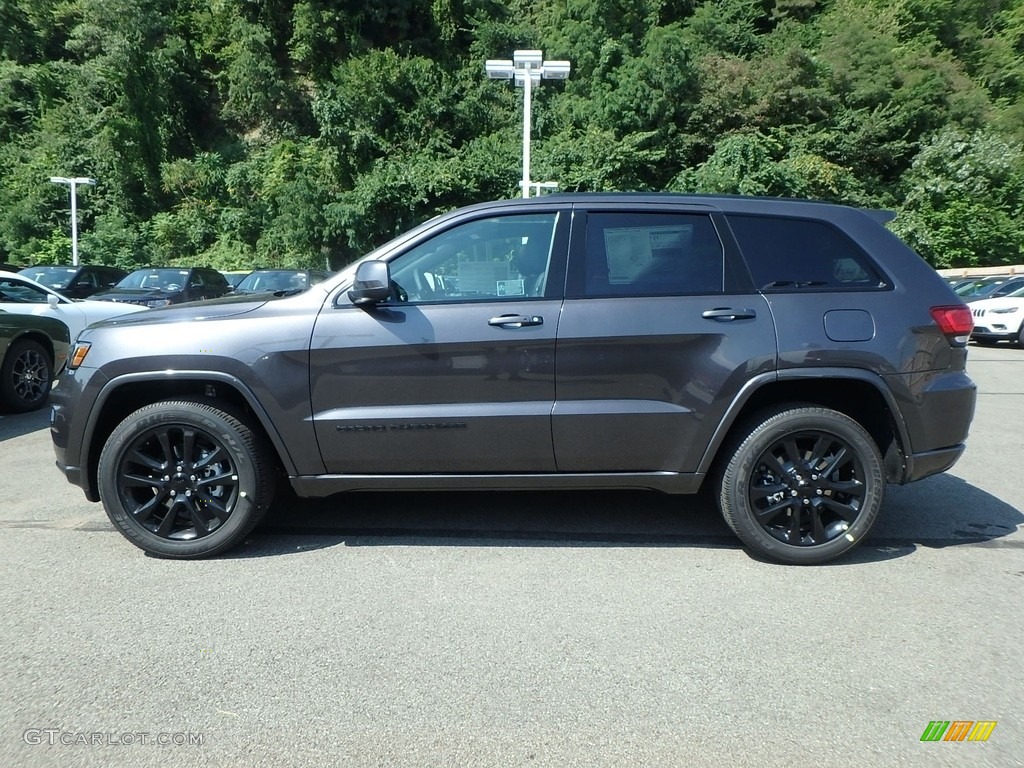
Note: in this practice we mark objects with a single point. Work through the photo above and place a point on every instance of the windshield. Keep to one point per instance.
(156, 279)
(285, 280)
(51, 277)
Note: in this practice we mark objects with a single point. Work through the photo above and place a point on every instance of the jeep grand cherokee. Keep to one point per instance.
(797, 356)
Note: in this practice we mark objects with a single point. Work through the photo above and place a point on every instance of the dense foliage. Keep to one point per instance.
(304, 132)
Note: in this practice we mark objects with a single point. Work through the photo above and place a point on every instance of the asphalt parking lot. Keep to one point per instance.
(560, 629)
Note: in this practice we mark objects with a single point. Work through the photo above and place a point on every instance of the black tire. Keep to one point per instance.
(25, 376)
(985, 342)
(185, 479)
(801, 484)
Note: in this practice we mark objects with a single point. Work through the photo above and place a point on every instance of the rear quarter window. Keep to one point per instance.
(786, 254)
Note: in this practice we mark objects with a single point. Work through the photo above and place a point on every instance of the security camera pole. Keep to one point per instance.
(73, 182)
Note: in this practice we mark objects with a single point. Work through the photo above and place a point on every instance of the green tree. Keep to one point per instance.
(963, 201)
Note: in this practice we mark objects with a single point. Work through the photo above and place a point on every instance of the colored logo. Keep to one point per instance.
(958, 730)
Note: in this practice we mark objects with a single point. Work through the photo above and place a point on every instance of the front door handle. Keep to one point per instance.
(515, 321)
(728, 314)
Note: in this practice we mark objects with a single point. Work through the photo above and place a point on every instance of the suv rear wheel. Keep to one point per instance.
(802, 484)
(185, 479)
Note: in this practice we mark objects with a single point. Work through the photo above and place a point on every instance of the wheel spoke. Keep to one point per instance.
(846, 511)
(792, 451)
(147, 461)
(794, 526)
(759, 492)
(817, 529)
(765, 516)
(165, 445)
(200, 521)
(774, 464)
(167, 524)
(216, 506)
(216, 455)
(145, 511)
(848, 487)
(832, 463)
(141, 481)
(188, 441)
(818, 451)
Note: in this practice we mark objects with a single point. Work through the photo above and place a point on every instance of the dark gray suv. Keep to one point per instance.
(795, 356)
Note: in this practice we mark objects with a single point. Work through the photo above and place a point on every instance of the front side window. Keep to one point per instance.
(17, 292)
(651, 254)
(503, 257)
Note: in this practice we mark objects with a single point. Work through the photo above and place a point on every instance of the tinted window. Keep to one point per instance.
(155, 279)
(504, 257)
(784, 254)
(21, 293)
(651, 254)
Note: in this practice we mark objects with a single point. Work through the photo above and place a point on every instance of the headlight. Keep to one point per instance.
(78, 353)
(154, 303)
(1004, 311)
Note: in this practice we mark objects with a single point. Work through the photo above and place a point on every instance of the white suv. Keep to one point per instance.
(999, 319)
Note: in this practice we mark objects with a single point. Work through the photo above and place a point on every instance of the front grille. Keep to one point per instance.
(979, 312)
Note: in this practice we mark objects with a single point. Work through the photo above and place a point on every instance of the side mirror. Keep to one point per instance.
(372, 283)
(52, 301)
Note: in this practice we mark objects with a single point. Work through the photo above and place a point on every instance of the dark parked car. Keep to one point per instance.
(273, 280)
(76, 282)
(161, 286)
(793, 356)
(32, 351)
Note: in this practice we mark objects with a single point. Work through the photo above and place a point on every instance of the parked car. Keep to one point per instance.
(977, 285)
(990, 287)
(161, 286)
(4, 267)
(32, 351)
(79, 282)
(793, 356)
(999, 319)
(272, 280)
(24, 296)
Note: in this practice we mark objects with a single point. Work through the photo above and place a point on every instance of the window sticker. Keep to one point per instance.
(511, 288)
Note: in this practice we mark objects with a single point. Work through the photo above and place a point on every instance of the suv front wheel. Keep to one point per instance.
(185, 479)
(803, 484)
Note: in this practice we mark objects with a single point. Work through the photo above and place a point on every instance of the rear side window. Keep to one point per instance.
(651, 254)
(787, 254)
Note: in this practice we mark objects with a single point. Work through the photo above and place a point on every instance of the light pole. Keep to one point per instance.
(526, 68)
(73, 182)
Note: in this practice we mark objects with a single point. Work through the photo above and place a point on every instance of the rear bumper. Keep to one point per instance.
(921, 465)
(990, 335)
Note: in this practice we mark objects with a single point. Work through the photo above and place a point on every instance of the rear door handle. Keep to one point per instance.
(728, 314)
(515, 321)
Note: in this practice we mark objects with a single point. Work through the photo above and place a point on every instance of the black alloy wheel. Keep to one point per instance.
(26, 376)
(806, 488)
(185, 479)
(803, 485)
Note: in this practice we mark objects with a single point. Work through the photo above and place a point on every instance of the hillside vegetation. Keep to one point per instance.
(305, 132)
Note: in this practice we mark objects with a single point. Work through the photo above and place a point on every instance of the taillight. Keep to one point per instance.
(956, 322)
